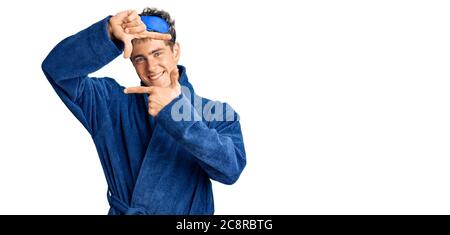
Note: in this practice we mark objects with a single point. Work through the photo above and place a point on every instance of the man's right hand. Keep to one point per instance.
(126, 26)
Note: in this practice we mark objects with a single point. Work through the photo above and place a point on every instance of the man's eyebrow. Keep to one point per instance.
(156, 50)
(140, 55)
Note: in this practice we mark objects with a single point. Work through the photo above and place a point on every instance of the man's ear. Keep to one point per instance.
(176, 52)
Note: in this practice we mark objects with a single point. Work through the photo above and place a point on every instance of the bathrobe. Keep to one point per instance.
(152, 165)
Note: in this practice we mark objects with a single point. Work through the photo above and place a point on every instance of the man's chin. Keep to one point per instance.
(156, 84)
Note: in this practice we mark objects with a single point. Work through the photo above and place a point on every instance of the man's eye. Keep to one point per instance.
(157, 54)
(138, 60)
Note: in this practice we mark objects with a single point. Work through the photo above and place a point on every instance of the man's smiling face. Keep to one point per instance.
(154, 60)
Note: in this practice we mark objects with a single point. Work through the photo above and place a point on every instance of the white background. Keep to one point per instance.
(344, 104)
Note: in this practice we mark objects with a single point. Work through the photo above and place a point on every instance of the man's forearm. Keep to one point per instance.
(220, 151)
(82, 53)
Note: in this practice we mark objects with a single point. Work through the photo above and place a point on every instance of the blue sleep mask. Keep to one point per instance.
(155, 24)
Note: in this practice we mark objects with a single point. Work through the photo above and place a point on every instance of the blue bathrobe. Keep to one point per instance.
(152, 165)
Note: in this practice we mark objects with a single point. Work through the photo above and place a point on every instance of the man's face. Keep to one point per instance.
(154, 60)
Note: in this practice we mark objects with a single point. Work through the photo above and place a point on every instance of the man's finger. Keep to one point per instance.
(133, 23)
(138, 90)
(154, 35)
(152, 112)
(128, 48)
(135, 30)
(132, 15)
(174, 77)
(121, 15)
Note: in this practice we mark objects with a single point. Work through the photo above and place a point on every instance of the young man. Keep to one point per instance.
(159, 144)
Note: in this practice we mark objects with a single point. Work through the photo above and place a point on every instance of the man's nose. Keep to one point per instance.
(151, 66)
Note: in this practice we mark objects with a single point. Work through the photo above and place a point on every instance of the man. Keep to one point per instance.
(159, 144)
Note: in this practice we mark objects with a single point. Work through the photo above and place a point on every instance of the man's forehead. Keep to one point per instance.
(148, 45)
(148, 42)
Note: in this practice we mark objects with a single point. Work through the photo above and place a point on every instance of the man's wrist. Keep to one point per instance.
(109, 28)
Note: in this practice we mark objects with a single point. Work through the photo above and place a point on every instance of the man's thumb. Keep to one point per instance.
(174, 77)
(128, 48)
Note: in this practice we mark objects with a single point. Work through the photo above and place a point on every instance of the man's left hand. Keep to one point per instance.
(159, 97)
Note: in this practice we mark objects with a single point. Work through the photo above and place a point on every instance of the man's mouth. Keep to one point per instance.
(154, 77)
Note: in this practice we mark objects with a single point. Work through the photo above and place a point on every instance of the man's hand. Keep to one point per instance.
(159, 97)
(126, 26)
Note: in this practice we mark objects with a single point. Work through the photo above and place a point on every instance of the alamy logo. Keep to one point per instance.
(183, 110)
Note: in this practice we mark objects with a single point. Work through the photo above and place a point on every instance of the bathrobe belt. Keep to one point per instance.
(123, 208)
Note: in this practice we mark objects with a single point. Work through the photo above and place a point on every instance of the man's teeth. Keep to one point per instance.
(156, 76)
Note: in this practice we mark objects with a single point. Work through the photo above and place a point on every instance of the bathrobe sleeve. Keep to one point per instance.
(217, 145)
(67, 67)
